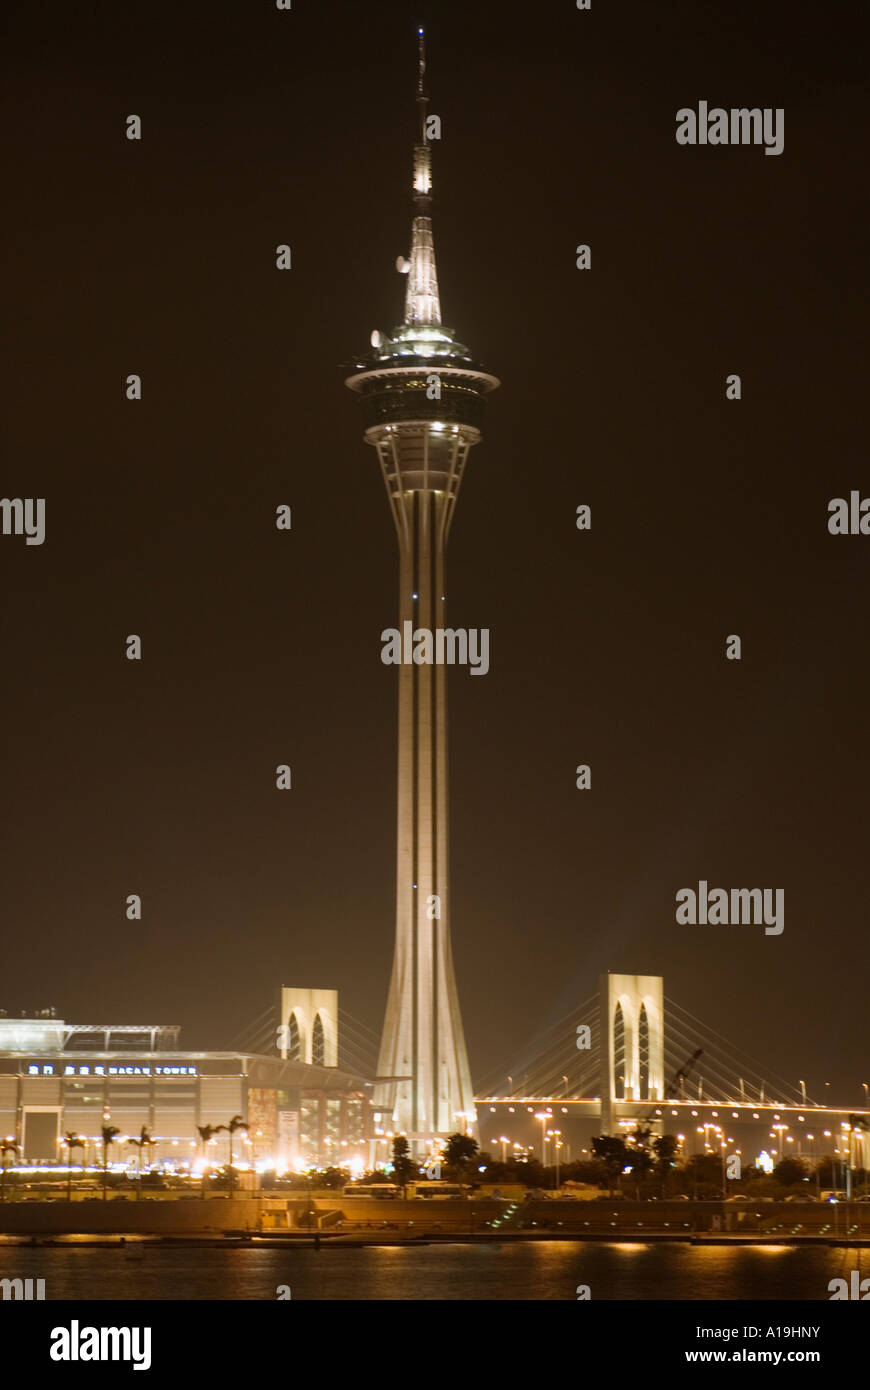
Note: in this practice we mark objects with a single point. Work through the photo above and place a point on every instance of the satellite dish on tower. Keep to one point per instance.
(376, 338)
(403, 265)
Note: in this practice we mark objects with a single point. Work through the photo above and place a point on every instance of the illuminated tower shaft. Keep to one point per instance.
(422, 402)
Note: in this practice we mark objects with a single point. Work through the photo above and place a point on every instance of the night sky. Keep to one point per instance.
(709, 517)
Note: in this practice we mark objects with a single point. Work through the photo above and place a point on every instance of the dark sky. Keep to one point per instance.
(260, 648)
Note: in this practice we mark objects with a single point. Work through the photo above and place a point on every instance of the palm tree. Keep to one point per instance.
(613, 1152)
(206, 1134)
(235, 1123)
(7, 1146)
(665, 1149)
(72, 1141)
(142, 1142)
(109, 1134)
(404, 1166)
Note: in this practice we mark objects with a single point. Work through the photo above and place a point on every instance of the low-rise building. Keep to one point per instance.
(57, 1077)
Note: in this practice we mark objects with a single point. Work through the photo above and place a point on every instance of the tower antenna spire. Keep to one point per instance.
(422, 305)
(422, 98)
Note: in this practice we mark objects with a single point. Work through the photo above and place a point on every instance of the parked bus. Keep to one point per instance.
(389, 1191)
(383, 1191)
(434, 1191)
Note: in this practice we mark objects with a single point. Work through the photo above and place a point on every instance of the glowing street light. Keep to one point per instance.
(543, 1118)
(557, 1135)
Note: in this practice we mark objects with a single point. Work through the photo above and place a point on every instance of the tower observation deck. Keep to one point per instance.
(422, 397)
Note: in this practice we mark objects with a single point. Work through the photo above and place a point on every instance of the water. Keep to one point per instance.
(520, 1271)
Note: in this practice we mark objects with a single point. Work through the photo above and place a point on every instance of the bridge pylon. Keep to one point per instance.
(632, 1052)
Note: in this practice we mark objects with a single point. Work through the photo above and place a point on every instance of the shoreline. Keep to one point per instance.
(128, 1242)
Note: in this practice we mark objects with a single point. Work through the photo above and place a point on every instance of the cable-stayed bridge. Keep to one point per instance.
(556, 1066)
(629, 1056)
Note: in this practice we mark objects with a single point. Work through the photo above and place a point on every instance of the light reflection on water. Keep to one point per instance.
(528, 1271)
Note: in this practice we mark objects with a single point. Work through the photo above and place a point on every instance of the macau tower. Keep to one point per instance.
(422, 401)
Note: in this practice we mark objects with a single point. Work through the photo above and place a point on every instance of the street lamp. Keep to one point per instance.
(850, 1132)
(702, 1129)
(543, 1118)
(724, 1166)
(557, 1133)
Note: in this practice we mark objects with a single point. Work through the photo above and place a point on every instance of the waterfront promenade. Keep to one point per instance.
(334, 1218)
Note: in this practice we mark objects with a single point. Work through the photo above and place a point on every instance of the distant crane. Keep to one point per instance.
(673, 1085)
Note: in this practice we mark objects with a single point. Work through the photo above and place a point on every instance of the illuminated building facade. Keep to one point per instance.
(57, 1077)
(422, 401)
